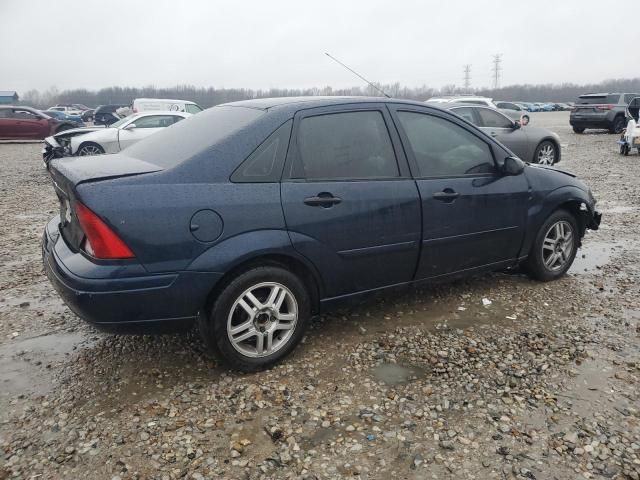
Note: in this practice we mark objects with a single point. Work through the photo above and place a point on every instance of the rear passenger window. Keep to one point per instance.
(442, 148)
(265, 164)
(345, 146)
(466, 113)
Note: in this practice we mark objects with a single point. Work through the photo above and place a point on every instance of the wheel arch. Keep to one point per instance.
(555, 142)
(569, 198)
(302, 269)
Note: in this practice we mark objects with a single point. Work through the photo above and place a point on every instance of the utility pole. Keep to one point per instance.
(467, 78)
(497, 68)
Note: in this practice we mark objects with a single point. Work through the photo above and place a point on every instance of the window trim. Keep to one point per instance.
(293, 154)
(237, 177)
(458, 121)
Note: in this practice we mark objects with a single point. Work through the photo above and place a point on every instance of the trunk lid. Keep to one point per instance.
(68, 172)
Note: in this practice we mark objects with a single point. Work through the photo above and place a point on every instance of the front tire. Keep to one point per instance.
(554, 247)
(578, 129)
(257, 319)
(89, 148)
(546, 153)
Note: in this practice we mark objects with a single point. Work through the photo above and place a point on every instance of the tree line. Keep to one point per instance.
(207, 97)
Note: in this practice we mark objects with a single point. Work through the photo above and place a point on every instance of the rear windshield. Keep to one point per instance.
(185, 139)
(600, 99)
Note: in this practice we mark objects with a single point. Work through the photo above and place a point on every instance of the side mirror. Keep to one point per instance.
(512, 166)
(131, 126)
(516, 125)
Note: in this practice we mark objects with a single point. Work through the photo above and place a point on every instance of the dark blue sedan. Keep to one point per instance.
(249, 217)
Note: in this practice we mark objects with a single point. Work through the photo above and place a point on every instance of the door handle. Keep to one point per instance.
(494, 134)
(447, 195)
(324, 200)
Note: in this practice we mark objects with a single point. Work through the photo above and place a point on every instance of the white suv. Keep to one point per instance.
(165, 104)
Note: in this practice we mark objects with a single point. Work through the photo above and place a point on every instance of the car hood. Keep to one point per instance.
(72, 132)
(98, 135)
(534, 132)
(543, 177)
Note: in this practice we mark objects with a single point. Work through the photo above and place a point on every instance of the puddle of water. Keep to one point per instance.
(592, 256)
(394, 374)
(23, 363)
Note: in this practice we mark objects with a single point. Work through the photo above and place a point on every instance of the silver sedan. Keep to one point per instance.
(531, 144)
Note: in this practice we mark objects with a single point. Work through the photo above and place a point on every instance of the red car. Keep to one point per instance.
(28, 123)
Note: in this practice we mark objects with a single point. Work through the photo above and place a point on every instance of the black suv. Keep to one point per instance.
(105, 114)
(600, 110)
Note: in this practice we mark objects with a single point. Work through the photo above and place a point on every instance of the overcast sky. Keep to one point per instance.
(263, 44)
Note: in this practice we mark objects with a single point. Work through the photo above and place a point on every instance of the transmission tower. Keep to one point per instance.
(497, 68)
(467, 78)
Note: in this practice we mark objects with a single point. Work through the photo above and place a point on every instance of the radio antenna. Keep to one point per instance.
(357, 74)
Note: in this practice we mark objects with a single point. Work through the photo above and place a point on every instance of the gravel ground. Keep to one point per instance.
(541, 383)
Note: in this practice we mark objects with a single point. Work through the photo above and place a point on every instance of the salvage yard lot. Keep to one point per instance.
(491, 377)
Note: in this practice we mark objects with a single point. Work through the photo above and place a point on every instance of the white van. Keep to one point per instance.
(164, 104)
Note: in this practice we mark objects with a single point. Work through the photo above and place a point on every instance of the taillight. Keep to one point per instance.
(101, 241)
(604, 107)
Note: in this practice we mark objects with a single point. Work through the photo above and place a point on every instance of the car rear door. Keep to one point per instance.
(350, 204)
(503, 129)
(472, 215)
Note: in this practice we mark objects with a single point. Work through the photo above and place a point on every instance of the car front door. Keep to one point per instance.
(503, 129)
(472, 215)
(142, 127)
(28, 124)
(350, 204)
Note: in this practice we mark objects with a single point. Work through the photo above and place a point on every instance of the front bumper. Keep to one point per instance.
(593, 220)
(123, 297)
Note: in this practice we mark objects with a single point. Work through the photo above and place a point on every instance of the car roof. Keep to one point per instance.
(296, 103)
(24, 107)
(162, 100)
(148, 113)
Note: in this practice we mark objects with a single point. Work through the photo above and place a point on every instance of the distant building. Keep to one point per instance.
(7, 98)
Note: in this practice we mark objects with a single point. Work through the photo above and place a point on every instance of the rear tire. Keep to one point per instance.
(89, 148)
(619, 124)
(578, 129)
(554, 247)
(268, 302)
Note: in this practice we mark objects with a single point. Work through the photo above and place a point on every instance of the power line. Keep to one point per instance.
(467, 78)
(497, 68)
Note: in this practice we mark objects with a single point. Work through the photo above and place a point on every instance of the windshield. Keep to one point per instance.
(192, 108)
(120, 122)
(183, 140)
(597, 99)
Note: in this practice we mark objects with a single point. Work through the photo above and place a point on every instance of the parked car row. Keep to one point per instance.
(110, 139)
(249, 217)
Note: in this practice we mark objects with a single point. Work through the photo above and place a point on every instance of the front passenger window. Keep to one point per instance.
(442, 148)
(493, 119)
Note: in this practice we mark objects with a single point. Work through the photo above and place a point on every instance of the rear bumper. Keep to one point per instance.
(122, 299)
(592, 121)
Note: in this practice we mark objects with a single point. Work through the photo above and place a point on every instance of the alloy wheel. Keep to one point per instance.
(90, 150)
(557, 246)
(262, 319)
(547, 154)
